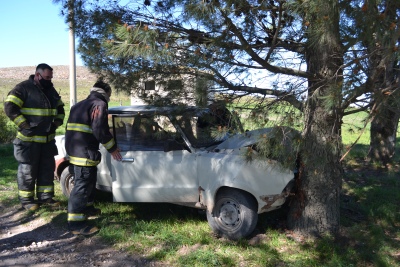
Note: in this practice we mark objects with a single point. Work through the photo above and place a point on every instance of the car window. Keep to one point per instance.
(143, 133)
(205, 129)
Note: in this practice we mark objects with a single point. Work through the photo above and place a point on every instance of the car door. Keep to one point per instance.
(149, 172)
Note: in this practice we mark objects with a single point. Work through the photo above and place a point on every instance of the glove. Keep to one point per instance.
(57, 123)
(54, 127)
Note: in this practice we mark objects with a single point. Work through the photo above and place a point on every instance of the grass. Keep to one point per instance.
(8, 167)
(180, 236)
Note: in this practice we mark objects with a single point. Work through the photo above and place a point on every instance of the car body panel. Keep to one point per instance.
(155, 176)
(238, 141)
(104, 174)
(256, 177)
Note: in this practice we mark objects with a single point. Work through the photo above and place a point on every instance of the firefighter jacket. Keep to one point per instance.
(34, 110)
(86, 128)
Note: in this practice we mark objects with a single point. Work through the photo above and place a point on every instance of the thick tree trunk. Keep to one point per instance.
(316, 209)
(315, 212)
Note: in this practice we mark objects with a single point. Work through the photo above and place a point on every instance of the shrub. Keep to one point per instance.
(8, 129)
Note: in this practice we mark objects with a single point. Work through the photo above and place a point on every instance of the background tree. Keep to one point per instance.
(372, 34)
(382, 44)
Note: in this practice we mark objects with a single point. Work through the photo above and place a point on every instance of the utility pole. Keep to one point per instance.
(72, 59)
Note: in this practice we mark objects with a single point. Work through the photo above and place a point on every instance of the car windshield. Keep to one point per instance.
(208, 128)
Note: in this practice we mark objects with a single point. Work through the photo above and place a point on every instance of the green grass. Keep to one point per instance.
(8, 167)
(180, 236)
(353, 128)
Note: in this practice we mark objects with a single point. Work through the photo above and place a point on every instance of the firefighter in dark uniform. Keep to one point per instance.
(87, 127)
(36, 108)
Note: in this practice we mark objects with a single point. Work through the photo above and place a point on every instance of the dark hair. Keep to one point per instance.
(44, 66)
(103, 85)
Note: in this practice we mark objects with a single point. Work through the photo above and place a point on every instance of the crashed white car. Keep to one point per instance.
(188, 156)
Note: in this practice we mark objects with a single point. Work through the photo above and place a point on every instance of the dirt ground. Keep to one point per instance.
(28, 240)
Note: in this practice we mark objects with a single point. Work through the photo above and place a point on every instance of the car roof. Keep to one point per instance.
(148, 109)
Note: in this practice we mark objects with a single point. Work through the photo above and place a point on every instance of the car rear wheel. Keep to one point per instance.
(66, 182)
(234, 215)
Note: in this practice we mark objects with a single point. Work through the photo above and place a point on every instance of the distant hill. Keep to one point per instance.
(59, 73)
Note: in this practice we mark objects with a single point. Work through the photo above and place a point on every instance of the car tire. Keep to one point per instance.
(66, 182)
(234, 215)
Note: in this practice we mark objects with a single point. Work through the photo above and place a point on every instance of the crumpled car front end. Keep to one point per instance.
(267, 180)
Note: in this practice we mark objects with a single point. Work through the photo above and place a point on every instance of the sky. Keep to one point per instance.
(33, 32)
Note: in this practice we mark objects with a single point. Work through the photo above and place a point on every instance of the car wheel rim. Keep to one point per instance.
(70, 183)
(229, 213)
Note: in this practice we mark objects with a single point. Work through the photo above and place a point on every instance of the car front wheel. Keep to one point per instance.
(234, 215)
(66, 182)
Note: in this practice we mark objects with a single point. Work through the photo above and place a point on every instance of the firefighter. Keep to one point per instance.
(37, 110)
(86, 128)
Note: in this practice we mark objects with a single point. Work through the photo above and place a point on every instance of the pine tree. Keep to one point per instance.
(290, 49)
(372, 36)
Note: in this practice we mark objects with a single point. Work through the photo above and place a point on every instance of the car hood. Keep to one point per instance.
(243, 140)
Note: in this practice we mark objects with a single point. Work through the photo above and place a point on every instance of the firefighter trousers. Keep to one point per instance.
(35, 170)
(82, 194)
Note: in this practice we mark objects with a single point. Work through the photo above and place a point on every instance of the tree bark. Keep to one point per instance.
(384, 76)
(383, 131)
(315, 212)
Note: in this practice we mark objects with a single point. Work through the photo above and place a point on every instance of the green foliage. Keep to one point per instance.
(8, 176)
(8, 129)
(224, 41)
(281, 144)
(126, 44)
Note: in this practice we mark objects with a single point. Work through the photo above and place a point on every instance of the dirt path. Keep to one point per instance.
(28, 240)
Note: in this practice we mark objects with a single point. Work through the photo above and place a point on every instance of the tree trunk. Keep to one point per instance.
(383, 132)
(384, 73)
(315, 212)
